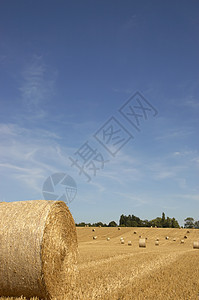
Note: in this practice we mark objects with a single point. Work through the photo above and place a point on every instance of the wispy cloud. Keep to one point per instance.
(175, 133)
(37, 86)
(194, 197)
(29, 156)
(193, 104)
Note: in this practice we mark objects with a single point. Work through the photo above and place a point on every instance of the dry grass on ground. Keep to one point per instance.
(111, 271)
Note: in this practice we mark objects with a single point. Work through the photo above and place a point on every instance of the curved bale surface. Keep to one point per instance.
(196, 245)
(142, 243)
(38, 249)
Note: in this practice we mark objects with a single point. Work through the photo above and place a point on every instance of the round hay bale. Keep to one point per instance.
(182, 242)
(122, 241)
(140, 236)
(121, 238)
(196, 245)
(129, 243)
(119, 228)
(185, 237)
(166, 238)
(108, 238)
(157, 243)
(188, 231)
(38, 249)
(157, 239)
(142, 243)
(174, 239)
(93, 229)
(135, 232)
(94, 237)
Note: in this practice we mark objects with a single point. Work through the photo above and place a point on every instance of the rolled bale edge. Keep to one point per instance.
(196, 245)
(142, 243)
(38, 249)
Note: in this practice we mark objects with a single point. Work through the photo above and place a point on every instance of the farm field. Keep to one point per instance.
(110, 270)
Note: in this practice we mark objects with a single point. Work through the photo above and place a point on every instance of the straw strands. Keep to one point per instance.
(38, 249)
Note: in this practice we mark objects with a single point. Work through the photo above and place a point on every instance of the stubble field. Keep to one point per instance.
(110, 270)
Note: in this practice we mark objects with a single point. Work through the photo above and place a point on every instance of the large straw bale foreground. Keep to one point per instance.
(38, 247)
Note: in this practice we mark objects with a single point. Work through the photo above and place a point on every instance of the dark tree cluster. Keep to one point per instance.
(98, 224)
(190, 223)
(133, 221)
(163, 222)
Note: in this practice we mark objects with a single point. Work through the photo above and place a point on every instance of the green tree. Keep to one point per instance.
(82, 224)
(146, 223)
(168, 223)
(163, 220)
(123, 220)
(112, 224)
(196, 225)
(156, 222)
(174, 223)
(189, 222)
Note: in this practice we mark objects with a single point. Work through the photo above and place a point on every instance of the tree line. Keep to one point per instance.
(133, 221)
(160, 222)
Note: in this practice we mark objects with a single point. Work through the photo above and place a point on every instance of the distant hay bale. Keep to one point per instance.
(119, 228)
(129, 243)
(146, 238)
(188, 231)
(140, 236)
(157, 243)
(185, 237)
(142, 243)
(38, 249)
(157, 239)
(108, 239)
(93, 229)
(135, 232)
(166, 238)
(196, 245)
(122, 241)
(121, 238)
(182, 242)
(94, 237)
(174, 239)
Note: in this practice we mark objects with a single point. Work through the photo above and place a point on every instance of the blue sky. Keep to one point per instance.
(66, 68)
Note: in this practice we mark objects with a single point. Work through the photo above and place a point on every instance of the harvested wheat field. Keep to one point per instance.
(115, 271)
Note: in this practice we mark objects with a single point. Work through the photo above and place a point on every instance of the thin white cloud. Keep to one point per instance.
(28, 156)
(37, 86)
(194, 197)
(137, 200)
(175, 133)
(192, 103)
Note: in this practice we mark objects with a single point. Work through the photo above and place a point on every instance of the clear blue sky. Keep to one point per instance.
(66, 68)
